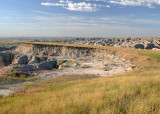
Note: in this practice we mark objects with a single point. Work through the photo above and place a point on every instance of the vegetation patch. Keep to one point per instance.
(58, 87)
(153, 56)
(69, 62)
(150, 67)
(16, 77)
(18, 74)
(60, 62)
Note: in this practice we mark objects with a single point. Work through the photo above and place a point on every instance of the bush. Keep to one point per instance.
(18, 74)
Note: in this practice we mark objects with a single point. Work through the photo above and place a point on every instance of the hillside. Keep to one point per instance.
(136, 91)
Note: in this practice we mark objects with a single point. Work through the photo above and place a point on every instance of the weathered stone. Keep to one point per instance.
(150, 46)
(139, 46)
(23, 67)
(48, 65)
(60, 67)
(6, 59)
(33, 60)
(76, 65)
(21, 60)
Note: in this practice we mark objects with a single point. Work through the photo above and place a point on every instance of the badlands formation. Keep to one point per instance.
(73, 59)
(49, 60)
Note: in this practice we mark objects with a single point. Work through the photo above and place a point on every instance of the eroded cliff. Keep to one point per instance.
(69, 59)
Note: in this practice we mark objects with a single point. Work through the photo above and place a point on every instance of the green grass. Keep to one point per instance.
(60, 62)
(17, 77)
(153, 56)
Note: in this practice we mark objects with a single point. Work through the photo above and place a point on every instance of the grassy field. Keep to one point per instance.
(136, 92)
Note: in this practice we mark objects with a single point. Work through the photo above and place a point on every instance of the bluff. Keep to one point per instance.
(64, 50)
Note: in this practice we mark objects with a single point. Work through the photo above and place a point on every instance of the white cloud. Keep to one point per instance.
(51, 4)
(108, 6)
(146, 3)
(82, 6)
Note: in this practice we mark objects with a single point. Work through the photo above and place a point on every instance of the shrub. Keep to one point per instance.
(17, 74)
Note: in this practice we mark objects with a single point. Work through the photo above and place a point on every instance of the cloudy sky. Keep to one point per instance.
(79, 18)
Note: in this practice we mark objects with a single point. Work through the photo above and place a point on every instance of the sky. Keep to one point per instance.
(79, 18)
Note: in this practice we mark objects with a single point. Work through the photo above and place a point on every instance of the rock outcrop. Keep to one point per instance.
(83, 59)
(48, 65)
(21, 60)
(34, 60)
(22, 68)
(150, 46)
(139, 46)
(117, 42)
(6, 58)
(68, 52)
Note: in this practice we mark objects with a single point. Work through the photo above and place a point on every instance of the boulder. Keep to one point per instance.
(150, 46)
(47, 65)
(6, 58)
(139, 46)
(76, 65)
(23, 67)
(21, 60)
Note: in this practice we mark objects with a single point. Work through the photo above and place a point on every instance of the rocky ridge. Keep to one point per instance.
(138, 43)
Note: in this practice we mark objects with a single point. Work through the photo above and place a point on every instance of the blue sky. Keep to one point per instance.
(79, 18)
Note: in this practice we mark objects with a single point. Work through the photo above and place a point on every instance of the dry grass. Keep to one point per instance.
(136, 92)
(132, 92)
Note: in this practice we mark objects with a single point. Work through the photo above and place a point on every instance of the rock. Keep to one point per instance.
(50, 58)
(6, 58)
(23, 67)
(150, 46)
(2, 62)
(156, 49)
(60, 67)
(34, 60)
(42, 58)
(139, 46)
(128, 69)
(21, 60)
(48, 65)
(76, 65)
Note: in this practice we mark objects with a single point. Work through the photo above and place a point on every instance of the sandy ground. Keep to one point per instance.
(94, 67)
